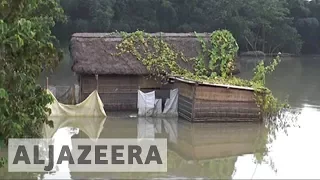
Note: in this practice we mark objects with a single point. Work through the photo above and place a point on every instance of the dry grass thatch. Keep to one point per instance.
(92, 53)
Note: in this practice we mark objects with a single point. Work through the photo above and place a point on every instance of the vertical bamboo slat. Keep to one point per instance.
(194, 87)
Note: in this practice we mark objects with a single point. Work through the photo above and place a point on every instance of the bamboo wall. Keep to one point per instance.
(186, 99)
(120, 92)
(223, 104)
(204, 103)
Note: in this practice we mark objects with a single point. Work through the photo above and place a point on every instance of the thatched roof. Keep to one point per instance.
(92, 53)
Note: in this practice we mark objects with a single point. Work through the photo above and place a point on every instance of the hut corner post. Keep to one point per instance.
(97, 80)
(194, 101)
(73, 95)
(80, 88)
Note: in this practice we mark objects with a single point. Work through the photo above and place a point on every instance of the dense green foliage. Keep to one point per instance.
(162, 60)
(26, 48)
(154, 53)
(269, 26)
(223, 52)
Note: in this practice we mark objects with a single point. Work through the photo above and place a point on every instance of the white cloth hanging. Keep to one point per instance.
(146, 103)
(171, 105)
(157, 108)
(149, 106)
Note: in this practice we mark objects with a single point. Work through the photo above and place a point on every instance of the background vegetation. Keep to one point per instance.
(290, 26)
(26, 49)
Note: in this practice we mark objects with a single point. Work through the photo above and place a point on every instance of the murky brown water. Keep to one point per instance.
(288, 149)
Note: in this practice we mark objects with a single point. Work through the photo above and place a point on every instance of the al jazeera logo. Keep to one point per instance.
(84, 155)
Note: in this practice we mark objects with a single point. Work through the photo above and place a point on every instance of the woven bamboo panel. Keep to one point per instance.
(149, 82)
(118, 98)
(115, 101)
(232, 110)
(118, 79)
(226, 114)
(185, 107)
(116, 92)
(185, 90)
(88, 79)
(223, 94)
(88, 85)
(205, 104)
(185, 117)
(160, 93)
(226, 111)
(109, 83)
(111, 89)
(111, 98)
(120, 106)
(226, 119)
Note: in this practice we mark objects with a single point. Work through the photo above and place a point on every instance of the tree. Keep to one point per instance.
(260, 24)
(306, 19)
(26, 48)
(268, 26)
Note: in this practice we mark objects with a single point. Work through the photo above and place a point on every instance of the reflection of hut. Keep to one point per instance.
(116, 127)
(222, 168)
(120, 76)
(120, 128)
(211, 150)
(207, 141)
(194, 150)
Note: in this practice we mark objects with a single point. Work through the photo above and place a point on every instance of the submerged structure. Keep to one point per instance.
(122, 80)
(203, 102)
(120, 77)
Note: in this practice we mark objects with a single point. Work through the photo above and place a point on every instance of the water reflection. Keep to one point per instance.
(214, 151)
(150, 127)
(195, 150)
(92, 127)
(60, 138)
(62, 132)
(294, 156)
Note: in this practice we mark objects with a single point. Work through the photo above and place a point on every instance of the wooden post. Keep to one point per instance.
(193, 113)
(97, 80)
(80, 88)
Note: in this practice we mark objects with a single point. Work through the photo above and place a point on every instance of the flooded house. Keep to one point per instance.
(204, 102)
(119, 79)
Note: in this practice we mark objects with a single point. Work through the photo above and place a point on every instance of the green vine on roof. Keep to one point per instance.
(223, 52)
(162, 60)
(159, 58)
(200, 67)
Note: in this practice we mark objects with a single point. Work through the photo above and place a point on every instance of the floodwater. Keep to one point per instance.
(287, 148)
